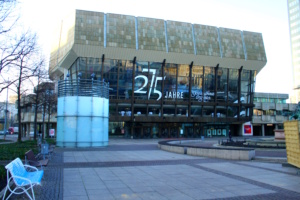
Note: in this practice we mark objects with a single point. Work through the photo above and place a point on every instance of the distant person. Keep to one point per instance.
(230, 136)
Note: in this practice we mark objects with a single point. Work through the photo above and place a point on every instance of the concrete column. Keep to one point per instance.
(262, 130)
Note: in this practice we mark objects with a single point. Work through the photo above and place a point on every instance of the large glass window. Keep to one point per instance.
(257, 112)
(94, 66)
(170, 92)
(196, 110)
(197, 84)
(140, 110)
(221, 111)
(245, 86)
(110, 70)
(209, 84)
(208, 111)
(233, 85)
(149, 79)
(112, 109)
(110, 74)
(169, 110)
(183, 81)
(252, 88)
(182, 110)
(82, 67)
(154, 110)
(125, 79)
(73, 70)
(222, 85)
(232, 111)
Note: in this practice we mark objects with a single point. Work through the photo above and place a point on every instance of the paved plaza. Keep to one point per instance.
(137, 169)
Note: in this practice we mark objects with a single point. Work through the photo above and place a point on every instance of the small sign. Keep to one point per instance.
(247, 129)
(51, 132)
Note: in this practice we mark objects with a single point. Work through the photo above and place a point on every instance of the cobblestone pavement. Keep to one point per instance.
(137, 169)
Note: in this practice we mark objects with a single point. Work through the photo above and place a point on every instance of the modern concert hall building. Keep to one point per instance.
(167, 79)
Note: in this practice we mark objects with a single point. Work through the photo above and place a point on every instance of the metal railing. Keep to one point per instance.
(83, 87)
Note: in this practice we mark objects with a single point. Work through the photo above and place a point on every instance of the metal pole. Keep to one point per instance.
(5, 123)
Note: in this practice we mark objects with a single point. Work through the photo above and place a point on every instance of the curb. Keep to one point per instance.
(271, 159)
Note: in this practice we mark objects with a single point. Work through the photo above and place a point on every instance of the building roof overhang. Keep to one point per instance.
(79, 50)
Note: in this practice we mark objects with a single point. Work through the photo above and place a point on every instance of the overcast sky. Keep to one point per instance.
(268, 17)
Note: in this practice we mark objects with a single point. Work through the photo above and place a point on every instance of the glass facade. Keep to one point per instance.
(151, 99)
(294, 27)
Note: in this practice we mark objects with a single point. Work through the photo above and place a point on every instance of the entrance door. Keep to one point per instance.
(174, 132)
(164, 133)
(188, 132)
(137, 132)
(146, 132)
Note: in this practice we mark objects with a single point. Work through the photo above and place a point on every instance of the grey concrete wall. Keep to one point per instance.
(231, 154)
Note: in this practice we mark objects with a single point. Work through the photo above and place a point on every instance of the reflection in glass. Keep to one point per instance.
(183, 81)
(169, 111)
(209, 84)
(245, 86)
(196, 110)
(170, 92)
(182, 110)
(148, 80)
(208, 111)
(197, 83)
(232, 111)
(222, 85)
(221, 111)
(233, 85)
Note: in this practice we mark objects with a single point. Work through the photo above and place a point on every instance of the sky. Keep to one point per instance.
(269, 17)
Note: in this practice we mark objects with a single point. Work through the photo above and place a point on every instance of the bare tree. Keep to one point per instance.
(26, 67)
(39, 90)
(19, 55)
(8, 21)
(47, 101)
(51, 103)
(7, 16)
(2, 107)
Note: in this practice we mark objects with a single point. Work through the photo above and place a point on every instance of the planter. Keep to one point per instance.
(279, 134)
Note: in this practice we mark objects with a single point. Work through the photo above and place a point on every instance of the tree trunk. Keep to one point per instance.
(43, 130)
(48, 124)
(19, 104)
(35, 116)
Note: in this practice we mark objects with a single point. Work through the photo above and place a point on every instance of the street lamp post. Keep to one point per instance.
(5, 122)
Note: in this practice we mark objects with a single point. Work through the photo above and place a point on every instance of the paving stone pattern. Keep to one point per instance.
(141, 171)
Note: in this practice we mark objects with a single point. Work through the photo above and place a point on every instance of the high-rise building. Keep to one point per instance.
(294, 26)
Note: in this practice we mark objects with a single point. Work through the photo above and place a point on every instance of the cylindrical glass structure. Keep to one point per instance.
(82, 113)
